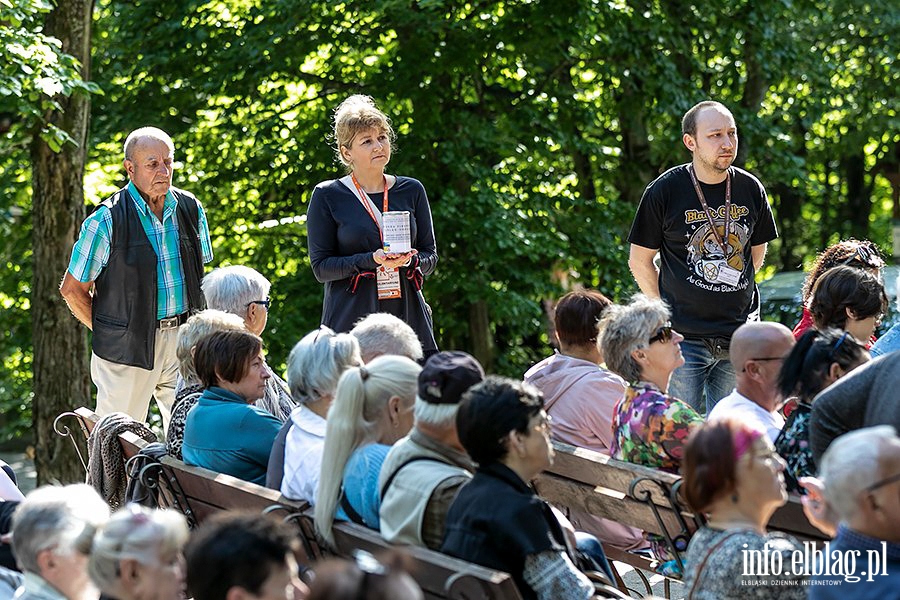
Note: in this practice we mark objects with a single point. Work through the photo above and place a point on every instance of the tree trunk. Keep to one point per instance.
(859, 194)
(61, 372)
(483, 347)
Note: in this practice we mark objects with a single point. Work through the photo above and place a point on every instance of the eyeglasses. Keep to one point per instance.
(866, 256)
(267, 303)
(883, 482)
(663, 334)
(763, 359)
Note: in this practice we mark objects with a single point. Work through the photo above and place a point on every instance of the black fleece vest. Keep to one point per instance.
(124, 304)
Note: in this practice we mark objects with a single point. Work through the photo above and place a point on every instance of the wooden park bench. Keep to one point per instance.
(641, 497)
(199, 493)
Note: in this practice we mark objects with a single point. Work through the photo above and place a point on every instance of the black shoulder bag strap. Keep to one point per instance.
(390, 480)
(350, 511)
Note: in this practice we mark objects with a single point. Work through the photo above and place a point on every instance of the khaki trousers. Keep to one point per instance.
(127, 389)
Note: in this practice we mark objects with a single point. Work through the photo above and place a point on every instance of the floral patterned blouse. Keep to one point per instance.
(650, 428)
(793, 446)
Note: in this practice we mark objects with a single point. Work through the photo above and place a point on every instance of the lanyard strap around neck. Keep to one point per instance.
(364, 198)
(709, 216)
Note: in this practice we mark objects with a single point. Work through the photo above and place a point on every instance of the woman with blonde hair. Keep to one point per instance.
(372, 409)
(362, 272)
(137, 555)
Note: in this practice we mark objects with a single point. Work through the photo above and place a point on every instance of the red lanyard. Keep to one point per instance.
(709, 215)
(364, 199)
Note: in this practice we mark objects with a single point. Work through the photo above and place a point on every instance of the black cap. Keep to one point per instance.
(447, 376)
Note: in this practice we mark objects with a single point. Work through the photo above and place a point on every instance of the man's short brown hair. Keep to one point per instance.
(225, 355)
(689, 121)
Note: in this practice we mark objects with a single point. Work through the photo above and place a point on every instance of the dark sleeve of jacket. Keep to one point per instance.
(324, 252)
(840, 408)
(275, 470)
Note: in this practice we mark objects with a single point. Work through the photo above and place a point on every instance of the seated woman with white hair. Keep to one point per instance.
(52, 534)
(372, 409)
(198, 326)
(314, 367)
(137, 555)
(383, 333)
(244, 292)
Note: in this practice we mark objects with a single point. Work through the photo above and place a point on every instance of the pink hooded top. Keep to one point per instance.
(581, 398)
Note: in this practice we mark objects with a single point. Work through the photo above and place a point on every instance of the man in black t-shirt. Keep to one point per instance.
(710, 223)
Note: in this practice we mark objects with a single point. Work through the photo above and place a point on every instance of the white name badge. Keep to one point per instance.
(388, 283)
(396, 233)
(728, 275)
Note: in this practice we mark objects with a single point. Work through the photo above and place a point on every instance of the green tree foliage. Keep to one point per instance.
(533, 125)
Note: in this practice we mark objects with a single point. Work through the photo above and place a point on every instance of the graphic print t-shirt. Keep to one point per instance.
(671, 218)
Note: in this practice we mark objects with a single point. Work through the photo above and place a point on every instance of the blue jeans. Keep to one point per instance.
(591, 547)
(706, 376)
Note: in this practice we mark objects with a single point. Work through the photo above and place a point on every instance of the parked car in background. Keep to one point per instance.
(780, 298)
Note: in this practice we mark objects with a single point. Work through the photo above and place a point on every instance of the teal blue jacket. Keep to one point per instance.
(225, 434)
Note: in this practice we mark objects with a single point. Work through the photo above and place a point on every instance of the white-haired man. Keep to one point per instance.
(244, 292)
(424, 471)
(861, 475)
(134, 278)
(52, 533)
(383, 333)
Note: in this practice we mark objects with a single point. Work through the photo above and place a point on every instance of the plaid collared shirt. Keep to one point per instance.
(91, 252)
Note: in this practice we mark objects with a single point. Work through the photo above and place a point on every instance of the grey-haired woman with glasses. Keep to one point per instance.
(650, 427)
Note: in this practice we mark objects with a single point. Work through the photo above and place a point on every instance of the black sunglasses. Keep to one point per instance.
(267, 303)
(663, 334)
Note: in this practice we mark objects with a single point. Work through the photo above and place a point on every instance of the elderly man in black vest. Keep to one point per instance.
(134, 278)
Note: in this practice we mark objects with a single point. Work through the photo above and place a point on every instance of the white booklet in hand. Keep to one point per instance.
(396, 232)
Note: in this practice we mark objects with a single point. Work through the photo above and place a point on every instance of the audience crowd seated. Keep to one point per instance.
(244, 292)
(581, 396)
(732, 473)
(650, 427)
(197, 327)
(861, 474)
(384, 333)
(427, 455)
(234, 556)
(850, 299)
(136, 555)
(52, 533)
(314, 367)
(225, 432)
(503, 427)
(819, 359)
(852, 253)
(423, 472)
(757, 353)
(372, 409)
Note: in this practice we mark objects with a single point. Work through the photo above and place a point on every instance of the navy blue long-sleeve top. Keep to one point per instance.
(342, 238)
